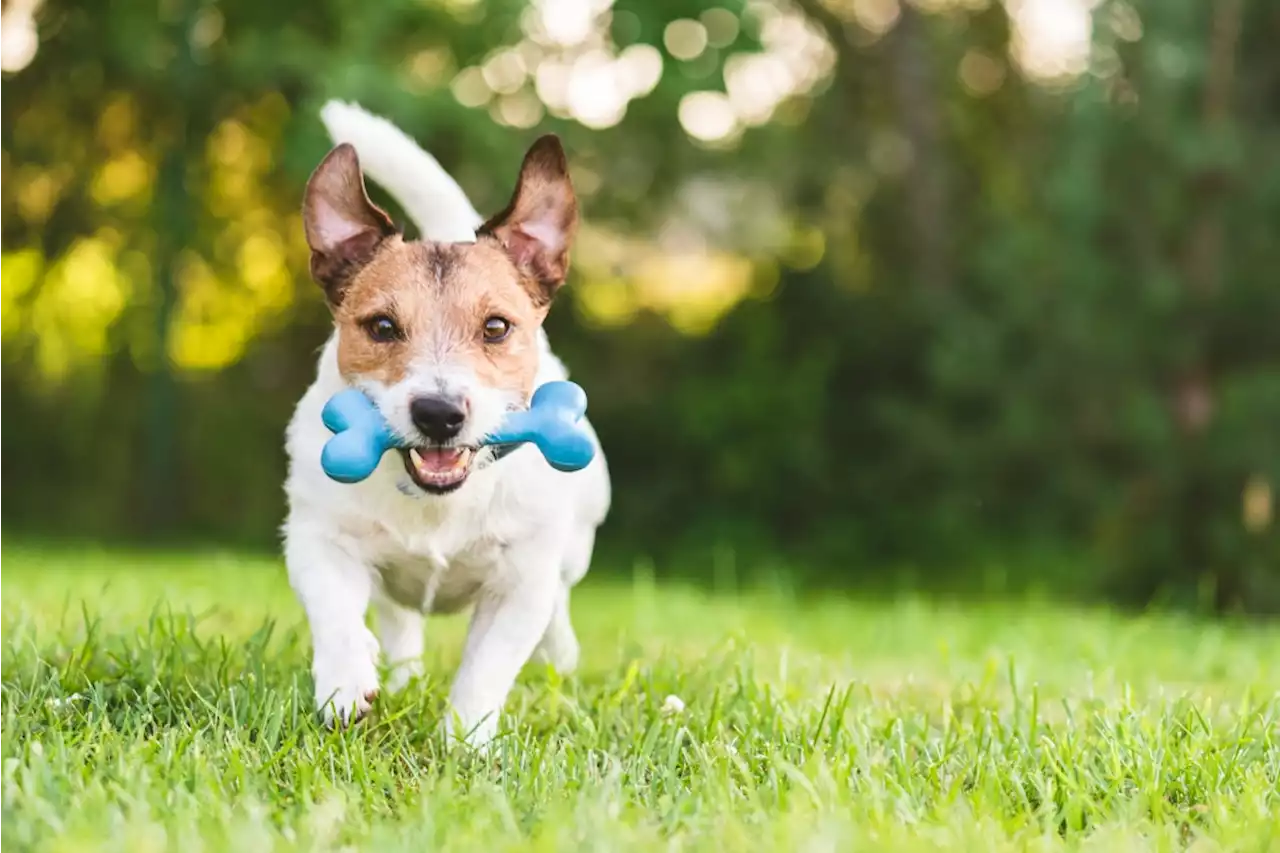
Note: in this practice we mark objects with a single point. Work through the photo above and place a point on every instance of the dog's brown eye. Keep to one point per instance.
(382, 329)
(496, 329)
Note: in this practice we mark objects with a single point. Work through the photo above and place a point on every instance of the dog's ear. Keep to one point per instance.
(344, 228)
(537, 227)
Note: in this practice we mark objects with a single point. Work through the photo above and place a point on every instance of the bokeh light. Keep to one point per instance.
(19, 40)
(685, 39)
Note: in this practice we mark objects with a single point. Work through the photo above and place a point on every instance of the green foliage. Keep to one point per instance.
(984, 316)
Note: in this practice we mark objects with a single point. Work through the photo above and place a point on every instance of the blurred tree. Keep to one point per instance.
(859, 281)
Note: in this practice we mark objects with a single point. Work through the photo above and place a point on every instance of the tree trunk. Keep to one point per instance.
(173, 227)
(920, 121)
(160, 484)
(1194, 394)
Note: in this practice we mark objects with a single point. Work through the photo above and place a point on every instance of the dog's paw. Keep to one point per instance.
(346, 678)
(566, 661)
(476, 736)
(346, 707)
(562, 656)
(559, 647)
(401, 674)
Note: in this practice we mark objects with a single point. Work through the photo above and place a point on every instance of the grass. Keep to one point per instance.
(162, 703)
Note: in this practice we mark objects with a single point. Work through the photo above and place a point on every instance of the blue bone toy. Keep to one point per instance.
(552, 423)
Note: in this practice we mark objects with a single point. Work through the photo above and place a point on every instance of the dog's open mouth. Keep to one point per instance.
(438, 469)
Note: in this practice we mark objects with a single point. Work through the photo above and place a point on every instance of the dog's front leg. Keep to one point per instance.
(334, 587)
(400, 630)
(509, 620)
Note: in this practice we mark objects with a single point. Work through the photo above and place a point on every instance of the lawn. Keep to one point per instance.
(156, 702)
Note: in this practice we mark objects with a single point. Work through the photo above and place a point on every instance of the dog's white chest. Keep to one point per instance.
(433, 585)
(441, 565)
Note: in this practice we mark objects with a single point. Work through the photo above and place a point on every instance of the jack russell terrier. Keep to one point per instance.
(445, 336)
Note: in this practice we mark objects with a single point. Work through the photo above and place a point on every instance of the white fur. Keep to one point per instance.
(511, 541)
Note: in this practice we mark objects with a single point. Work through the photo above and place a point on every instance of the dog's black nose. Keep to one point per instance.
(439, 418)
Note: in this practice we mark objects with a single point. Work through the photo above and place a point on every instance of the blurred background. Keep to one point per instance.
(955, 295)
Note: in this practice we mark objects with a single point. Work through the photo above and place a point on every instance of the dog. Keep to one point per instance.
(445, 336)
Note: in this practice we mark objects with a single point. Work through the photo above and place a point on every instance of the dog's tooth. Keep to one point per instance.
(415, 457)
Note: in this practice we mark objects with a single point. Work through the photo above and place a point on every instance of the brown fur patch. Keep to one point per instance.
(440, 295)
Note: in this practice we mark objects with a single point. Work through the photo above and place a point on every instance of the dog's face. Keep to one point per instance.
(442, 336)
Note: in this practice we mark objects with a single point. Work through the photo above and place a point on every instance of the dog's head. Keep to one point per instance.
(442, 336)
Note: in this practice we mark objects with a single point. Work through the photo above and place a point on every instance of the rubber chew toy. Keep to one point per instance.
(360, 436)
(552, 423)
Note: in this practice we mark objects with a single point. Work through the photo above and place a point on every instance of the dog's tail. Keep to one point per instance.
(434, 201)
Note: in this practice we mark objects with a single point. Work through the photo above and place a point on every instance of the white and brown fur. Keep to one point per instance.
(512, 536)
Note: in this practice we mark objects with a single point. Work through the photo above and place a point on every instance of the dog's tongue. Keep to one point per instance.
(439, 460)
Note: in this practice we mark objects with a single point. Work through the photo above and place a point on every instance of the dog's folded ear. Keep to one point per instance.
(344, 228)
(537, 227)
